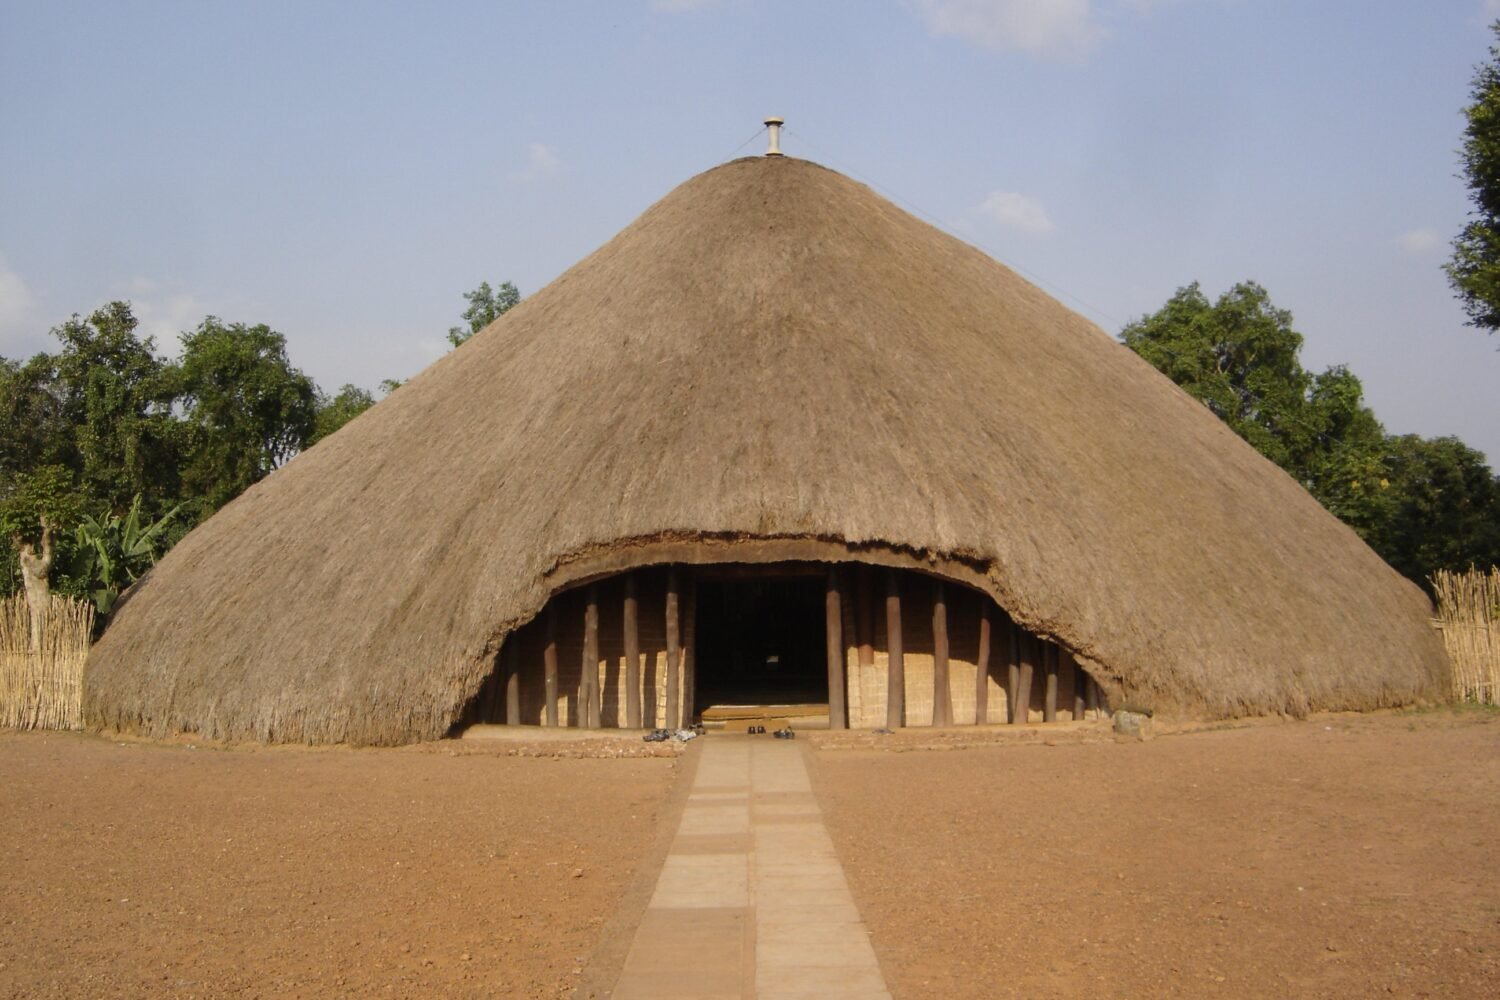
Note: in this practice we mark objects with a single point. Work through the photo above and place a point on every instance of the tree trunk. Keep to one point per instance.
(35, 571)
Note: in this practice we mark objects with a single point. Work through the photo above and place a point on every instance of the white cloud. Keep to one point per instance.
(541, 160)
(1016, 211)
(1419, 242)
(1491, 7)
(165, 319)
(16, 303)
(1051, 26)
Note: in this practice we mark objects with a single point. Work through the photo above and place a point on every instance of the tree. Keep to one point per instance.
(336, 411)
(1445, 509)
(1239, 357)
(247, 409)
(34, 506)
(485, 306)
(113, 551)
(111, 403)
(1423, 505)
(1474, 269)
(33, 429)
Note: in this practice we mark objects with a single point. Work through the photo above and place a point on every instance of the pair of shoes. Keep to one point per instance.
(683, 735)
(656, 736)
(784, 734)
(752, 730)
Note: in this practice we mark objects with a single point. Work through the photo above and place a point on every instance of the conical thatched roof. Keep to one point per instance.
(772, 352)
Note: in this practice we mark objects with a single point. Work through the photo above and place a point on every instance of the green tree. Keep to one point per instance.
(111, 408)
(485, 306)
(1445, 508)
(111, 552)
(33, 428)
(1423, 505)
(1239, 357)
(1474, 268)
(336, 411)
(247, 409)
(34, 507)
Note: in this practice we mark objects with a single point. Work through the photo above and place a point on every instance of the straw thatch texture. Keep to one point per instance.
(772, 352)
(41, 677)
(1469, 615)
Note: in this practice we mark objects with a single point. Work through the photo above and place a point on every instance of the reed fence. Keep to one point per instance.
(41, 674)
(1469, 615)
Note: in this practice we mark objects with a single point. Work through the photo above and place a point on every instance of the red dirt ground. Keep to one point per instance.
(1347, 856)
(140, 870)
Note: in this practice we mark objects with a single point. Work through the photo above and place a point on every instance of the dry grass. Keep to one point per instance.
(41, 681)
(771, 352)
(1469, 615)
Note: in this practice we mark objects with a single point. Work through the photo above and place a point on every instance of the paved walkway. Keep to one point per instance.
(752, 900)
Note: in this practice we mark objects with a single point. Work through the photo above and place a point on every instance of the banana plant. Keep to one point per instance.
(114, 551)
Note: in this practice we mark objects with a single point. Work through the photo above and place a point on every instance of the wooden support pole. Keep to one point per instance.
(982, 675)
(864, 617)
(689, 649)
(632, 655)
(674, 648)
(942, 698)
(833, 606)
(588, 685)
(1011, 643)
(895, 675)
(549, 663)
(1080, 698)
(1049, 699)
(1026, 645)
(510, 656)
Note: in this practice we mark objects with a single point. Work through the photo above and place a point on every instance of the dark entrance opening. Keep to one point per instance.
(760, 639)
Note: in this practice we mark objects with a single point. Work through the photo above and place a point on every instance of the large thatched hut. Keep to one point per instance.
(776, 440)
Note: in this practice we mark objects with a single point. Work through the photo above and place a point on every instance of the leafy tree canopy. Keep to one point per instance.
(47, 494)
(102, 405)
(1423, 505)
(150, 447)
(485, 306)
(111, 552)
(334, 412)
(1445, 508)
(247, 408)
(1474, 268)
(1239, 356)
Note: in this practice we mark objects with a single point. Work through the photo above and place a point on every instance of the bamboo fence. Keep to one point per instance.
(1469, 615)
(41, 676)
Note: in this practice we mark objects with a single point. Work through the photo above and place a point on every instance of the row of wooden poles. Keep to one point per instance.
(1026, 655)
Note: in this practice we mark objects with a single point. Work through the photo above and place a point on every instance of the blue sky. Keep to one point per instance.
(345, 171)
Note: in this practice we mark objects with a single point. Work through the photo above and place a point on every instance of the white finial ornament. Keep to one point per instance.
(774, 126)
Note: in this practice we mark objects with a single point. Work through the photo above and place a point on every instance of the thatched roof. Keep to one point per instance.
(770, 354)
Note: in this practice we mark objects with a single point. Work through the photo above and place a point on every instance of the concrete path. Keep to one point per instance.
(752, 901)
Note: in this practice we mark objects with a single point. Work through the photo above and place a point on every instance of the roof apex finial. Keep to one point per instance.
(774, 125)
